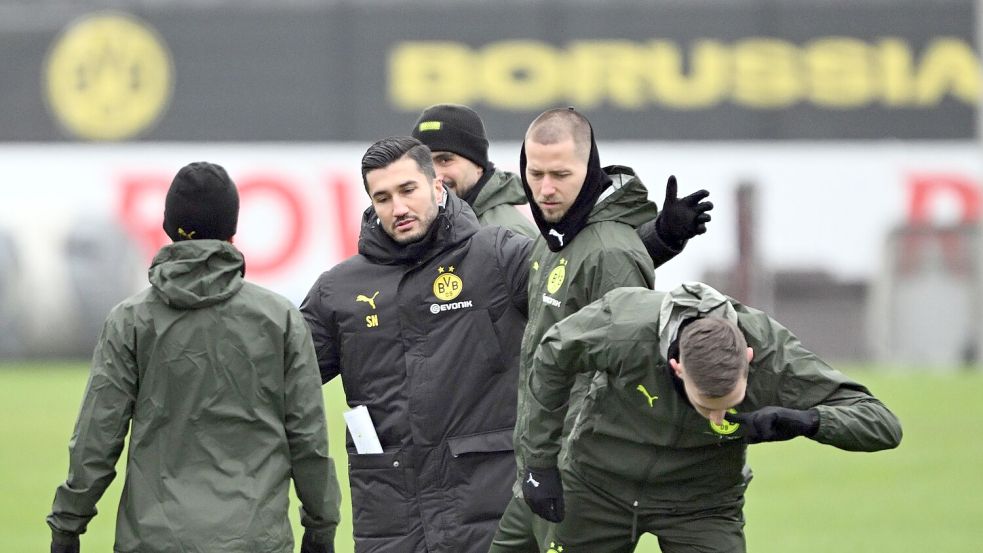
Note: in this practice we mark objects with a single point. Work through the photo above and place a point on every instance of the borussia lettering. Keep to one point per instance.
(758, 73)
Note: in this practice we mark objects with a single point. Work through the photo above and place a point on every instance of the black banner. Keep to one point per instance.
(695, 70)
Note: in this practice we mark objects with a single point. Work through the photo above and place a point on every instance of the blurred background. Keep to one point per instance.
(840, 141)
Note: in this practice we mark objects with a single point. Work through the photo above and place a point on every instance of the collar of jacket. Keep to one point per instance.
(192, 274)
(455, 223)
(561, 233)
(472, 195)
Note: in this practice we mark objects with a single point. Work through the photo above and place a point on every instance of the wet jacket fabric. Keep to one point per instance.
(427, 336)
(637, 435)
(496, 204)
(606, 254)
(219, 380)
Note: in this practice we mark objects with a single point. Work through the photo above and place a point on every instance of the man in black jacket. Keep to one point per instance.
(424, 325)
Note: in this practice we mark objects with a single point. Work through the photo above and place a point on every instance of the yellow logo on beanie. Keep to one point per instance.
(186, 235)
(430, 126)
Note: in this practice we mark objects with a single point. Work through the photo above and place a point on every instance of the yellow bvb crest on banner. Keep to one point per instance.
(108, 76)
(447, 286)
(556, 277)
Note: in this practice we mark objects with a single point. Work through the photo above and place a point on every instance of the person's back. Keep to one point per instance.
(218, 378)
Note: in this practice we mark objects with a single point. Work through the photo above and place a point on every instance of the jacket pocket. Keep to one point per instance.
(482, 473)
(381, 496)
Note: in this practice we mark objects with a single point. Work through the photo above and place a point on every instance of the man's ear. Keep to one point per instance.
(438, 185)
(676, 367)
(750, 354)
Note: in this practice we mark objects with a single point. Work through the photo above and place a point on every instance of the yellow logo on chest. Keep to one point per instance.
(447, 286)
(555, 280)
(725, 428)
(651, 399)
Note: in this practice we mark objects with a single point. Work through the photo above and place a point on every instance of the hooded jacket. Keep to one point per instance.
(218, 378)
(605, 254)
(496, 200)
(637, 435)
(427, 336)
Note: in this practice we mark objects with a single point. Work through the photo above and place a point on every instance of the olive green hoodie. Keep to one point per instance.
(216, 382)
(496, 201)
(638, 436)
(606, 254)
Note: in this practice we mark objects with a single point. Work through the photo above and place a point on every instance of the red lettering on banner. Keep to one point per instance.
(924, 189)
(141, 210)
(340, 188)
(923, 234)
(295, 222)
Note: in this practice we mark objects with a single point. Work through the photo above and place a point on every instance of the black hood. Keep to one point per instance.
(563, 232)
(455, 223)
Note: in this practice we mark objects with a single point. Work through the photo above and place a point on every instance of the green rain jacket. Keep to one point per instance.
(217, 382)
(605, 255)
(495, 204)
(637, 435)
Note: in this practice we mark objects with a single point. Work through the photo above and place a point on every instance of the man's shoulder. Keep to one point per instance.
(609, 237)
(254, 292)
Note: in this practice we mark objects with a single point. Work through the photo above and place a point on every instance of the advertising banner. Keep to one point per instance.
(340, 71)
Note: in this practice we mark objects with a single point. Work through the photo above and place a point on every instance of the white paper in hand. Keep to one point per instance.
(362, 430)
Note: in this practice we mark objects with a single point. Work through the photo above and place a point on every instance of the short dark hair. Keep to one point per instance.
(389, 150)
(558, 124)
(713, 352)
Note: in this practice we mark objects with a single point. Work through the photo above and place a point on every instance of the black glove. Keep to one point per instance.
(310, 544)
(543, 492)
(64, 543)
(776, 424)
(682, 219)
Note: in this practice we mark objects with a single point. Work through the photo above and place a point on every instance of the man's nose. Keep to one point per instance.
(547, 187)
(399, 208)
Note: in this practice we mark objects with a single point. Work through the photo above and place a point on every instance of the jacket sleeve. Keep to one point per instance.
(101, 427)
(509, 217)
(514, 250)
(320, 320)
(578, 344)
(658, 249)
(313, 471)
(788, 375)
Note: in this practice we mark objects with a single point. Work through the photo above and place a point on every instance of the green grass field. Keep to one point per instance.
(925, 496)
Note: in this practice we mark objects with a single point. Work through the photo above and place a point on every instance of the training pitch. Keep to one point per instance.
(927, 495)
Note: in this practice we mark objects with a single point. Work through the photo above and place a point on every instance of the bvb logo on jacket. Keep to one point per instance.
(446, 287)
(556, 277)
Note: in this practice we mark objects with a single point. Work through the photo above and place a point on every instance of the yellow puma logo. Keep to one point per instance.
(649, 397)
(186, 235)
(368, 300)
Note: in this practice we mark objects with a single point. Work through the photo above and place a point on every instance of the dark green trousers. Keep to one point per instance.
(521, 531)
(597, 522)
